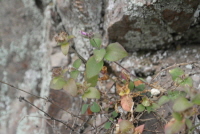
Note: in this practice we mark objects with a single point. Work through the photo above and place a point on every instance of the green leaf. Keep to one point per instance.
(181, 104)
(64, 71)
(149, 109)
(70, 37)
(57, 83)
(141, 87)
(99, 54)
(93, 80)
(163, 100)
(176, 94)
(65, 49)
(140, 108)
(115, 52)
(95, 107)
(92, 67)
(107, 125)
(74, 74)
(196, 99)
(131, 85)
(77, 63)
(178, 76)
(176, 73)
(145, 102)
(177, 116)
(92, 93)
(114, 114)
(84, 108)
(152, 107)
(70, 87)
(139, 84)
(188, 122)
(111, 119)
(96, 41)
(155, 106)
(63, 43)
(187, 82)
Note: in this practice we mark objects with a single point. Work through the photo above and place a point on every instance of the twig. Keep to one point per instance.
(154, 113)
(76, 118)
(69, 112)
(153, 131)
(132, 74)
(193, 128)
(144, 120)
(23, 99)
(23, 90)
(74, 50)
(180, 64)
(48, 100)
(96, 126)
(47, 118)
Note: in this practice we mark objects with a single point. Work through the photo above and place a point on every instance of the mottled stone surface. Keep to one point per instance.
(24, 63)
(80, 15)
(145, 25)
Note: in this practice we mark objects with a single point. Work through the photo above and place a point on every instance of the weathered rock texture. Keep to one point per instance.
(28, 50)
(140, 24)
(80, 15)
(25, 63)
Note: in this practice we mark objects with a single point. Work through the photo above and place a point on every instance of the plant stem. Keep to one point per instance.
(23, 99)
(74, 50)
(192, 129)
(23, 90)
(46, 99)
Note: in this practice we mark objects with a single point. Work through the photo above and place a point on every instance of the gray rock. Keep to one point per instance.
(145, 25)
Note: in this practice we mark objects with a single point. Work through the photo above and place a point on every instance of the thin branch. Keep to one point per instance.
(23, 99)
(70, 113)
(131, 73)
(180, 64)
(96, 127)
(153, 131)
(193, 128)
(23, 90)
(46, 99)
(75, 51)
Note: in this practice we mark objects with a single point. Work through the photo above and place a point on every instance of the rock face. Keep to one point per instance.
(76, 16)
(24, 63)
(28, 50)
(141, 24)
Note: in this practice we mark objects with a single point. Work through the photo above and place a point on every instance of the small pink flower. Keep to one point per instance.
(86, 35)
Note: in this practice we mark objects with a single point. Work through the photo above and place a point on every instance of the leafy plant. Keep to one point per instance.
(134, 95)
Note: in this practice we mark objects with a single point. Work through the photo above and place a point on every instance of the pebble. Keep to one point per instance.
(155, 92)
(189, 66)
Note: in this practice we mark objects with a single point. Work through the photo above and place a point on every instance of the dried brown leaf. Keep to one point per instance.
(127, 103)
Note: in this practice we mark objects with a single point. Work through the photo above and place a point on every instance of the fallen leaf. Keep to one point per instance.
(122, 89)
(126, 126)
(104, 70)
(127, 103)
(89, 112)
(139, 129)
(119, 120)
(174, 126)
(138, 82)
